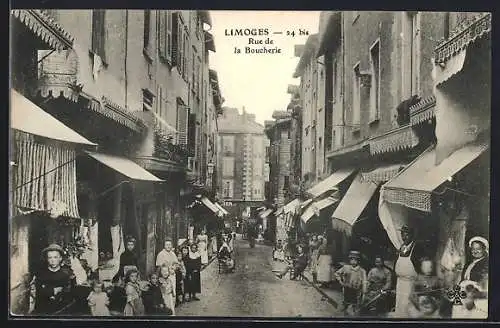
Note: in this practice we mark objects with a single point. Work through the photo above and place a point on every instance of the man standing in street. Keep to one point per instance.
(167, 257)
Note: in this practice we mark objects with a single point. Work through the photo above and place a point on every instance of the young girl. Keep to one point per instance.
(98, 300)
(134, 306)
(180, 275)
(167, 289)
(153, 300)
(193, 268)
(426, 284)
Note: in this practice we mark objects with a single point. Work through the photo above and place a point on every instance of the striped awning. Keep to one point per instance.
(29, 118)
(353, 203)
(291, 207)
(211, 206)
(265, 213)
(330, 183)
(316, 207)
(222, 209)
(124, 166)
(413, 186)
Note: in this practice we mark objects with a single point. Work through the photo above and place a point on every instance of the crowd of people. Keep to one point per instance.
(410, 289)
(175, 280)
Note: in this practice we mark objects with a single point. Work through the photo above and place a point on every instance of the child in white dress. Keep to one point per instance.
(98, 300)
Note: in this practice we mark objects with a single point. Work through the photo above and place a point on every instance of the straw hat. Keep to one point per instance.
(354, 255)
(53, 247)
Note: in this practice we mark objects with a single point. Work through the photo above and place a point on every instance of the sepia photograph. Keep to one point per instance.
(249, 164)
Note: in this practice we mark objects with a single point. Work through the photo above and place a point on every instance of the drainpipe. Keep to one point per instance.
(342, 90)
(126, 55)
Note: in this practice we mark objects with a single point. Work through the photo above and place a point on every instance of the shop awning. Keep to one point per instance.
(124, 166)
(413, 186)
(316, 207)
(330, 183)
(211, 206)
(352, 205)
(29, 118)
(382, 174)
(291, 206)
(265, 213)
(222, 209)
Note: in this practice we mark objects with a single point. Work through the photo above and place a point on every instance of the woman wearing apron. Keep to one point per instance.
(405, 272)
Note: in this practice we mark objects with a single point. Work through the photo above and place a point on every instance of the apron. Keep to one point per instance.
(406, 274)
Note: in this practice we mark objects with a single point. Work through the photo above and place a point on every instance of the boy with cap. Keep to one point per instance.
(352, 278)
(53, 283)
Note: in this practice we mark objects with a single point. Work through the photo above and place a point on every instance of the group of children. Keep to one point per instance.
(427, 297)
(160, 295)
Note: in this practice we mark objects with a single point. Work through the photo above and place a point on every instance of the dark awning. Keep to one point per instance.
(209, 41)
(44, 27)
(205, 16)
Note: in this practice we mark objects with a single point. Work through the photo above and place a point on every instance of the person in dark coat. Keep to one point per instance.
(128, 258)
(153, 298)
(53, 283)
(193, 269)
(299, 264)
(477, 269)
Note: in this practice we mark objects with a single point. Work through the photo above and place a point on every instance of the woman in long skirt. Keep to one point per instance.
(193, 268)
(202, 246)
(324, 266)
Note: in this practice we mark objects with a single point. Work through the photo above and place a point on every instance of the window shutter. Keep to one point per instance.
(161, 35)
(182, 122)
(98, 32)
(175, 38)
(169, 35)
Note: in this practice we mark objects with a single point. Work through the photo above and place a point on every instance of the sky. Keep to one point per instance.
(258, 82)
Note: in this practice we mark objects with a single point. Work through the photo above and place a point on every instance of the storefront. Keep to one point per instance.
(44, 207)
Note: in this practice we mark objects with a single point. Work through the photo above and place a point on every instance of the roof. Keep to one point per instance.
(236, 125)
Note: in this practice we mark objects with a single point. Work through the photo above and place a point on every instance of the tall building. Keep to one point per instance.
(242, 155)
(132, 82)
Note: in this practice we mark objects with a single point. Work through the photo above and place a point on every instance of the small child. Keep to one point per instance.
(117, 296)
(167, 289)
(352, 277)
(426, 284)
(98, 300)
(468, 309)
(180, 275)
(134, 306)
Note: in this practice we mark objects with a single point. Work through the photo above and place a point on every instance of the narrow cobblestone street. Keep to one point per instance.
(253, 290)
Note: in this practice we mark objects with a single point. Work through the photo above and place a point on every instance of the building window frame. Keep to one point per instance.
(356, 97)
(410, 54)
(375, 69)
(98, 40)
(147, 34)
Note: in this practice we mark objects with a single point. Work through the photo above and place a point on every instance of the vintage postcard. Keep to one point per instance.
(266, 164)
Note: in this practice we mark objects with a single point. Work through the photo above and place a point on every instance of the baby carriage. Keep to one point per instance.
(225, 260)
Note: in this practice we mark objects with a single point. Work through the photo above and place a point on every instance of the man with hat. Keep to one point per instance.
(405, 268)
(53, 283)
(352, 278)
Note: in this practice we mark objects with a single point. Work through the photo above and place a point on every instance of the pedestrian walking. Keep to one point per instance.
(98, 300)
(193, 269)
(352, 278)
